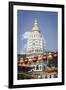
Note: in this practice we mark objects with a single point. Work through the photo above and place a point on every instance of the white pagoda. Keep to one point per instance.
(36, 44)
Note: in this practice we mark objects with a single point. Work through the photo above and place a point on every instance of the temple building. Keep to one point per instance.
(36, 46)
(36, 43)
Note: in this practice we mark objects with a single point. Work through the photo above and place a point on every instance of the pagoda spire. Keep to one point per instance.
(35, 26)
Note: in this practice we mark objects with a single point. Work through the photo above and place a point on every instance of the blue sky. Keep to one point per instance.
(48, 26)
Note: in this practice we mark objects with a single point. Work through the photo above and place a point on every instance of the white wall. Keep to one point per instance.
(4, 43)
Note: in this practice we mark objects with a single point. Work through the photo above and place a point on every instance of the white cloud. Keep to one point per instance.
(26, 35)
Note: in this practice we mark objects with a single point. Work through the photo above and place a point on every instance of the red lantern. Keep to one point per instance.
(26, 61)
(44, 57)
(34, 59)
(55, 55)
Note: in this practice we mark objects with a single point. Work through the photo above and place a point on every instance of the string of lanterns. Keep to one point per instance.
(50, 56)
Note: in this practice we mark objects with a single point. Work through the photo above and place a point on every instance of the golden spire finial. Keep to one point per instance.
(36, 20)
(35, 27)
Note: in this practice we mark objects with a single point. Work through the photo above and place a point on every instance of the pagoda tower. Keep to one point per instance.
(36, 44)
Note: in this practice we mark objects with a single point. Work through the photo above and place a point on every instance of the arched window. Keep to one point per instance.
(37, 67)
(44, 68)
(40, 67)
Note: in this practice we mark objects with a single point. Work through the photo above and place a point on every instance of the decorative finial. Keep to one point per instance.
(36, 20)
(36, 26)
